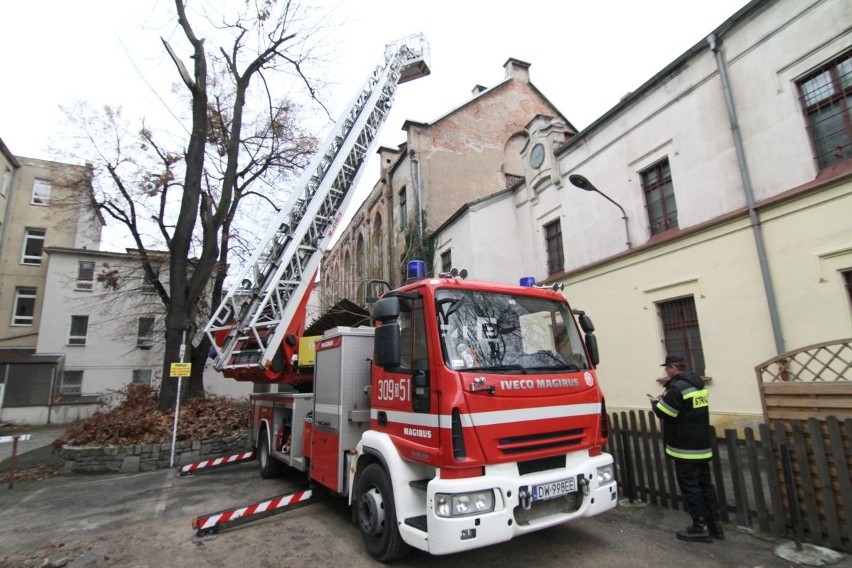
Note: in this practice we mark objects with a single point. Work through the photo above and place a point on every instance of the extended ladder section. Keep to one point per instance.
(250, 324)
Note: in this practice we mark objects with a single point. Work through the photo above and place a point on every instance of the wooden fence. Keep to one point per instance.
(786, 480)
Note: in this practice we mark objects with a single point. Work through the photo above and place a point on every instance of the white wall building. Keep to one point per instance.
(733, 169)
(106, 322)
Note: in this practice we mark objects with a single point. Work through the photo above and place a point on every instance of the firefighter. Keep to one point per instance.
(684, 410)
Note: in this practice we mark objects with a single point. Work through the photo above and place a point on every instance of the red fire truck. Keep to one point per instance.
(465, 414)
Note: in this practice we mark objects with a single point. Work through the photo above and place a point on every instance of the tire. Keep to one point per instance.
(377, 516)
(269, 466)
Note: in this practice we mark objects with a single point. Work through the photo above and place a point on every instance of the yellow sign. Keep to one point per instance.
(181, 369)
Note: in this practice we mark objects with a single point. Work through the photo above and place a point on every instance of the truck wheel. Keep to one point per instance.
(269, 466)
(377, 516)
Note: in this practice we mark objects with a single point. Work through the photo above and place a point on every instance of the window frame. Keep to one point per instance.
(447, 260)
(76, 339)
(145, 340)
(838, 98)
(6, 182)
(24, 292)
(136, 376)
(668, 218)
(82, 282)
(554, 247)
(77, 382)
(675, 332)
(31, 236)
(147, 285)
(403, 209)
(36, 198)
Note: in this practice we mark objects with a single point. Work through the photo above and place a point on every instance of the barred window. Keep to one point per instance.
(681, 333)
(72, 383)
(659, 197)
(826, 97)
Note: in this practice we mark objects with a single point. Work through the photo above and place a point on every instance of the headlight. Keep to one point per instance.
(462, 504)
(606, 474)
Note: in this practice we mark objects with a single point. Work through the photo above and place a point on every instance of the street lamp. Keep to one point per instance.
(586, 185)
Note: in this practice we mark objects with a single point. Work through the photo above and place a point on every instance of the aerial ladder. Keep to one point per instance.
(256, 327)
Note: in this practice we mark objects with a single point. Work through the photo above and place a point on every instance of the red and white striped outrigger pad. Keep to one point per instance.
(239, 515)
(225, 460)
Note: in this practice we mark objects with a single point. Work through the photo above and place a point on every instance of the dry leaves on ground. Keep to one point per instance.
(137, 420)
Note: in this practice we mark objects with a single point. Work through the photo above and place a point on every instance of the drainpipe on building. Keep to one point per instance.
(716, 48)
(52, 393)
(8, 213)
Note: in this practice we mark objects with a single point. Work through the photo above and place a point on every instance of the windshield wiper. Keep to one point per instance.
(498, 368)
(563, 367)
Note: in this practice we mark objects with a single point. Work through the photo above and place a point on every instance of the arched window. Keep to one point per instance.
(361, 268)
(348, 275)
(377, 248)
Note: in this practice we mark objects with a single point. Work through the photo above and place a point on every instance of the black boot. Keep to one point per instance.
(697, 532)
(714, 527)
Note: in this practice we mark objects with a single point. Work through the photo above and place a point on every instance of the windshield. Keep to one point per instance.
(505, 332)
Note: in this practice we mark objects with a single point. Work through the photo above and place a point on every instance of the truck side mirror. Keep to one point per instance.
(586, 323)
(592, 348)
(386, 309)
(386, 346)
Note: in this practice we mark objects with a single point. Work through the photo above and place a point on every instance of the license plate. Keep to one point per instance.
(554, 489)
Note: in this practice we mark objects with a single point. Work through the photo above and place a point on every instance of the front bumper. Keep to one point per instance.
(514, 512)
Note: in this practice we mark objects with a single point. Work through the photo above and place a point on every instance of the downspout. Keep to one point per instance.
(8, 213)
(716, 48)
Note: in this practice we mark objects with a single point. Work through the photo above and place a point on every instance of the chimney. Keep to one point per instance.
(517, 70)
(477, 89)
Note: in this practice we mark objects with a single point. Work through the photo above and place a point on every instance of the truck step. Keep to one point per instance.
(418, 523)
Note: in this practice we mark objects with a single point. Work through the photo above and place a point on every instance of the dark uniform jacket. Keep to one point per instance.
(685, 412)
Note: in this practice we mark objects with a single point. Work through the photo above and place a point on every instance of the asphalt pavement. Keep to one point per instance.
(143, 520)
(32, 452)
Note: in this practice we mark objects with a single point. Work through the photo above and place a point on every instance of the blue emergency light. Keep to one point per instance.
(527, 281)
(416, 270)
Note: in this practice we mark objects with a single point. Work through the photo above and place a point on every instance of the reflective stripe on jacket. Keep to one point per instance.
(684, 410)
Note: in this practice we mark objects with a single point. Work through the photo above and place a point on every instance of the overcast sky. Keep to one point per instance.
(584, 56)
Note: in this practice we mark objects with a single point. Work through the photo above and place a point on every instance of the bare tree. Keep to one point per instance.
(244, 141)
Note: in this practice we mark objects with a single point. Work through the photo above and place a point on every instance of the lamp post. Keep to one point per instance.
(584, 184)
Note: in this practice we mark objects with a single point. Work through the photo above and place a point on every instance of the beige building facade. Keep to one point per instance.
(36, 213)
(461, 156)
(716, 218)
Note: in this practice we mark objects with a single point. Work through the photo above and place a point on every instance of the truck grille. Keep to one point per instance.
(543, 464)
(561, 439)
